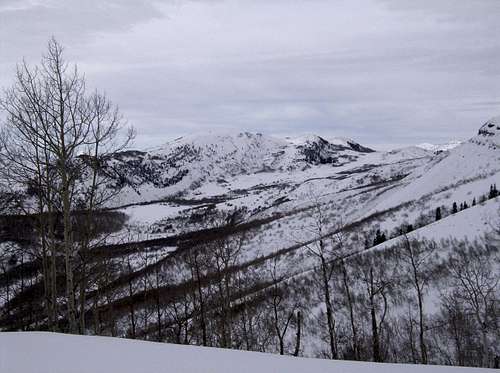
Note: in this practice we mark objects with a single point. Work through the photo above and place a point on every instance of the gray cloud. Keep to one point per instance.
(384, 72)
(26, 25)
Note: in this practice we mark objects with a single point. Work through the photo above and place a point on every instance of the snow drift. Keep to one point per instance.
(38, 352)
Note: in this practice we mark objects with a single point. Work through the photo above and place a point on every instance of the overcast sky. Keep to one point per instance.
(386, 73)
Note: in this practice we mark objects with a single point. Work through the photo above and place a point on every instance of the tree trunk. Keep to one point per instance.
(279, 335)
(202, 305)
(355, 346)
(485, 346)
(158, 314)
(82, 298)
(297, 338)
(68, 253)
(411, 339)
(375, 338)
(375, 333)
(329, 312)
(423, 347)
(418, 289)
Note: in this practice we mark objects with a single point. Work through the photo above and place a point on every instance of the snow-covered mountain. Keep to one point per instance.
(187, 163)
(267, 174)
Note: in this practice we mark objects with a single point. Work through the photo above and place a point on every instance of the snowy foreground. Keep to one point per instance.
(58, 353)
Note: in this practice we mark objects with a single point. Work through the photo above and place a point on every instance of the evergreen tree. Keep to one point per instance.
(493, 191)
(438, 213)
(466, 206)
(379, 238)
(409, 228)
(454, 209)
(376, 240)
(474, 202)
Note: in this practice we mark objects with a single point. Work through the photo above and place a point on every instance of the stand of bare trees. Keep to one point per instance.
(55, 140)
(474, 293)
(205, 294)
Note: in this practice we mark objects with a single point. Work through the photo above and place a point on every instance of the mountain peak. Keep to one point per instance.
(491, 127)
(334, 142)
(490, 131)
(436, 148)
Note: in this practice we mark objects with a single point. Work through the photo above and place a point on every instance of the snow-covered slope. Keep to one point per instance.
(26, 352)
(457, 175)
(470, 224)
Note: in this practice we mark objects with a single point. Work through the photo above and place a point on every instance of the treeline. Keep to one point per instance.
(493, 193)
(380, 236)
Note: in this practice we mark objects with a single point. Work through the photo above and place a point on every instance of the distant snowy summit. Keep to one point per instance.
(489, 133)
(339, 143)
(436, 148)
(491, 127)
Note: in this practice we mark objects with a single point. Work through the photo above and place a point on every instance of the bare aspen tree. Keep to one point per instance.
(26, 161)
(145, 286)
(377, 283)
(51, 122)
(243, 279)
(409, 325)
(102, 143)
(346, 281)
(282, 311)
(340, 256)
(418, 259)
(194, 261)
(158, 280)
(320, 250)
(131, 287)
(298, 333)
